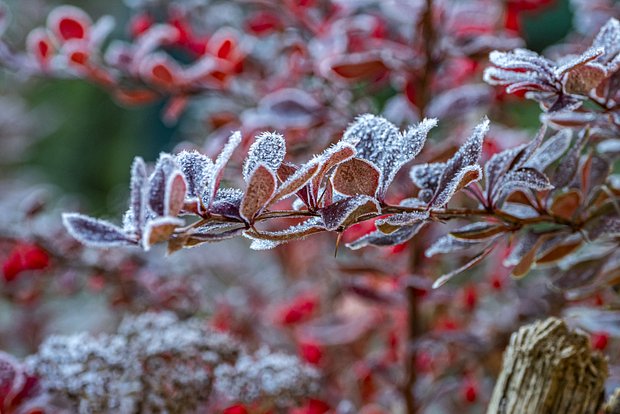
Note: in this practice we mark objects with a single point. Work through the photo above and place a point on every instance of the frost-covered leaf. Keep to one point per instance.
(227, 203)
(176, 189)
(269, 239)
(498, 165)
(295, 178)
(468, 236)
(577, 62)
(524, 178)
(378, 238)
(478, 231)
(522, 69)
(198, 170)
(449, 244)
(442, 280)
(464, 177)
(138, 209)
(395, 221)
(567, 169)
(427, 176)
(356, 176)
(158, 230)
(603, 225)
(346, 211)
(568, 119)
(583, 79)
(268, 150)
(218, 168)
(163, 184)
(197, 239)
(462, 168)
(550, 151)
(579, 275)
(380, 142)
(260, 189)
(96, 233)
(608, 38)
(330, 158)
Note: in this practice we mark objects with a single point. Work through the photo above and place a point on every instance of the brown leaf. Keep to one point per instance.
(356, 176)
(331, 158)
(159, 230)
(353, 70)
(527, 260)
(583, 78)
(558, 252)
(565, 205)
(175, 194)
(295, 179)
(261, 188)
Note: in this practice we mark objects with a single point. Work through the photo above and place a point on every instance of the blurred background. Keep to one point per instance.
(86, 140)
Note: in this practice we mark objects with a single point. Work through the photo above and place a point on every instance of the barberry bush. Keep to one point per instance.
(355, 221)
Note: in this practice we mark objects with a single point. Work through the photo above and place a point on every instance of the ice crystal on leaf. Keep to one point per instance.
(388, 149)
(462, 169)
(96, 233)
(562, 85)
(269, 150)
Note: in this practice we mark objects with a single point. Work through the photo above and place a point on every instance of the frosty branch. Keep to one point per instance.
(523, 189)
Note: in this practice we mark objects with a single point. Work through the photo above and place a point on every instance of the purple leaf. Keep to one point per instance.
(464, 177)
(198, 170)
(393, 222)
(345, 212)
(550, 151)
(159, 184)
(378, 238)
(96, 233)
(524, 178)
(227, 203)
(269, 239)
(427, 176)
(138, 210)
(498, 165)
(462, 165)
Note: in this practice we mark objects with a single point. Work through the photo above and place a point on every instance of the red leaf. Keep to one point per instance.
(260, 190)
(350, 69)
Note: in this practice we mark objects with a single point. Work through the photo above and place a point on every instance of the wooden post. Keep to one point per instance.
(548, 369)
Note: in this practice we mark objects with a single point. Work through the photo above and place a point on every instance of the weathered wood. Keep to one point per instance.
(548, 369)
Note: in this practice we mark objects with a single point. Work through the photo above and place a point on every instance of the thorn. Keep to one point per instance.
(337, 244)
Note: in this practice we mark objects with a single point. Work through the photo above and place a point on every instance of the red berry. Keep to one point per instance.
(600, 340)
(235, 409)
(71, 29)
(311, 353)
